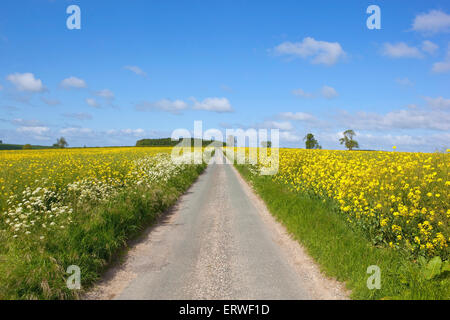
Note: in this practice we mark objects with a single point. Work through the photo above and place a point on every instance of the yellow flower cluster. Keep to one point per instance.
(59, 167)
(34, 184)
(399, 199)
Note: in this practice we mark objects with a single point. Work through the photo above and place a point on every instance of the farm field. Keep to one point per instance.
(77, 207)
(396, 203)
(350, 210)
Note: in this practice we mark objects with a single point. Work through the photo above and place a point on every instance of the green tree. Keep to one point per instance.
(311, 142)
(60, 143)
(26, 147)
(348, 141)
(266, 144)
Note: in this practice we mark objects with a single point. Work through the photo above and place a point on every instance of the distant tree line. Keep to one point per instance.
(167, 142)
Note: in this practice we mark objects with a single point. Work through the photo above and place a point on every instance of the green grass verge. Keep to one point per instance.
(341, 252)
(98, 235)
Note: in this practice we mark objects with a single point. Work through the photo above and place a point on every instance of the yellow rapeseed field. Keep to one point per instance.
(63, 207)
(398, 199)
(35, 185)
(58, 167)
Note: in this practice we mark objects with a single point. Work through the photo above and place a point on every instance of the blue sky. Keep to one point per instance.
(140, 69)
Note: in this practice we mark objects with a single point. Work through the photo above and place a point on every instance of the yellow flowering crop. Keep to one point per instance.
(398, 199)
(36, 185)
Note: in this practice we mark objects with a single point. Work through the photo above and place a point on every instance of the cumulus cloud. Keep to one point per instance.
(329, 92)
(281, 125)
(78, 116)
(289, 136)
(432, 22)
(166, 105)
(78, 136)
(39, 131)
(429, 47)
(301, 93)
(438, 103)
(297, 116)
(319, 52)
(73, 82)
(114, 136)
(76, 132)
(135, 132)
(219, 105)
(92, 102)
(27, 123)
(26, 82)
(381, 140)
(105, 94)
(404, 142)
(442, 66)
(410, 118)
(400, 50)
(136, 70)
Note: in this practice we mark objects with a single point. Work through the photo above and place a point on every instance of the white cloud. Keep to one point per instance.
(166, 105)
(75, 132)
(135, 132)
(73, 82)
(400, 50)
(220, 105)
(404, 142)
(78, 116)
(381, 140)
(27, 123)
(26, 82)
(429, 47)
(301, 93)
(438, 103)
(410, 118)
(329, 92)
(432, 22)
(289, 136)
(40, 130)
(281, 125)
(442, 66)
(298, 116)
(320, 52)
(404, 82)
(92, 102)
(50, 102)
(136, 70)
(106, 94)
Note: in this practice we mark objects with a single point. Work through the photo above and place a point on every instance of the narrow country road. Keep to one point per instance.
(218, 242)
